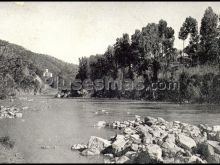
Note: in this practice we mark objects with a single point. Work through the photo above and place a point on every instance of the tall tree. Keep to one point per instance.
(83, 69)
(111, 62)
(137, 52)
(190, 27)
(209, 49)
(161, 32)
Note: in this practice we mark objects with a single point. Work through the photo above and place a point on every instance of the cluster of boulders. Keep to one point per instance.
(62, 95)
(10, 112)
(154, 140)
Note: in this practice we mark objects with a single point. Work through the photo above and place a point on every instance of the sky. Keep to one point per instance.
(70, 30)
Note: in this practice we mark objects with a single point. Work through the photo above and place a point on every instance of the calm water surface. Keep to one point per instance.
(64, 122)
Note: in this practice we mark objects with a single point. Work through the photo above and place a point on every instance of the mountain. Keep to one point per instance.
(21, 66)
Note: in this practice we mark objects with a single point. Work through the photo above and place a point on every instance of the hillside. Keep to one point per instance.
(21, 66)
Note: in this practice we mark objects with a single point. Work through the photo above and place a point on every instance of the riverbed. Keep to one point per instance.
(60, 123)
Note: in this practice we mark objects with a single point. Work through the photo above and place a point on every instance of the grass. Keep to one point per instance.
(7, 142)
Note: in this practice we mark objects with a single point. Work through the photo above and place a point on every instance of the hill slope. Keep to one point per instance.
(21, 66)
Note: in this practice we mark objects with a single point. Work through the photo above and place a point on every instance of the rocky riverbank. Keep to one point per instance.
(8, 151)
(10, 112)
(154, 140)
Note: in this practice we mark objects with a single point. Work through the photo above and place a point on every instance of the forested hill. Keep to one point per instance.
(41, 61)
(21, 65)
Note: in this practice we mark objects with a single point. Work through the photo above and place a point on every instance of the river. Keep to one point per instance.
(61, 123)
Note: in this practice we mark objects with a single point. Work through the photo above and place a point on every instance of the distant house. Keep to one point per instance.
(47, 74)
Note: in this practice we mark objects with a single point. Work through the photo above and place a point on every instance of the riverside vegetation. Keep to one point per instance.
(154, 140)
(150, 55)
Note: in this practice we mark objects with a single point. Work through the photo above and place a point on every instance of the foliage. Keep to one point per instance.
(19, 68)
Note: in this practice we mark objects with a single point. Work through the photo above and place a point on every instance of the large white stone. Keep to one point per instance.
(101, 124)
(154, 151)
(119, 144)
(215, 145)
(122, 159)
(98, 143)
(185, 141)
(216, 128)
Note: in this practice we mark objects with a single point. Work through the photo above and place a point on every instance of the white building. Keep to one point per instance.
(47, 74)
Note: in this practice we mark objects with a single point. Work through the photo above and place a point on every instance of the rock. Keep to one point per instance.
(11, 113)
(181, 159)
(109, 161)
(143, 130)
(208, 152)
(126, 123)
(136, 138)
(217, 136)
(158, 132)
(149, 120)
(205, 150)
(161, 120)
(185, 142)
(211, 135)
(130, 154)
(148, 139)
(109, 155)
(79, 147)
(129, 131)
(97, 143)
(215, 158)
(58, 95)
(122, 159)
(215, 145)
(170, 138)
(119, 144)
(90, 152)
(137, 118)
(167, 160)
(154, 151)
(153, 154)
(205, 128)
(192, 131)
(170, 149)
(18, 115)
(101, 124)
(121, 126)
(134, 147)
(176, 123)
(196, 159)
(25, 108)
(216, 128)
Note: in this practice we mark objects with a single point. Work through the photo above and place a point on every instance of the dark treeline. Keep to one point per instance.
(149, 54)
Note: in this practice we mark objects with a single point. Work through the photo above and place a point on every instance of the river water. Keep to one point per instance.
(61, 123)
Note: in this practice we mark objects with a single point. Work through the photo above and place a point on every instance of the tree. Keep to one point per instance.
(111, 64)
(161, 32)
(122, 51)
(83, 69)
(209, 49)
(190, 27)
(137, 51)
(150, 40)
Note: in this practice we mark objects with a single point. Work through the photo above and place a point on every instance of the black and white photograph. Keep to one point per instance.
(110, 82)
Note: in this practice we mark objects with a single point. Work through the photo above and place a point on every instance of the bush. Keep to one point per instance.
(6, 142)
